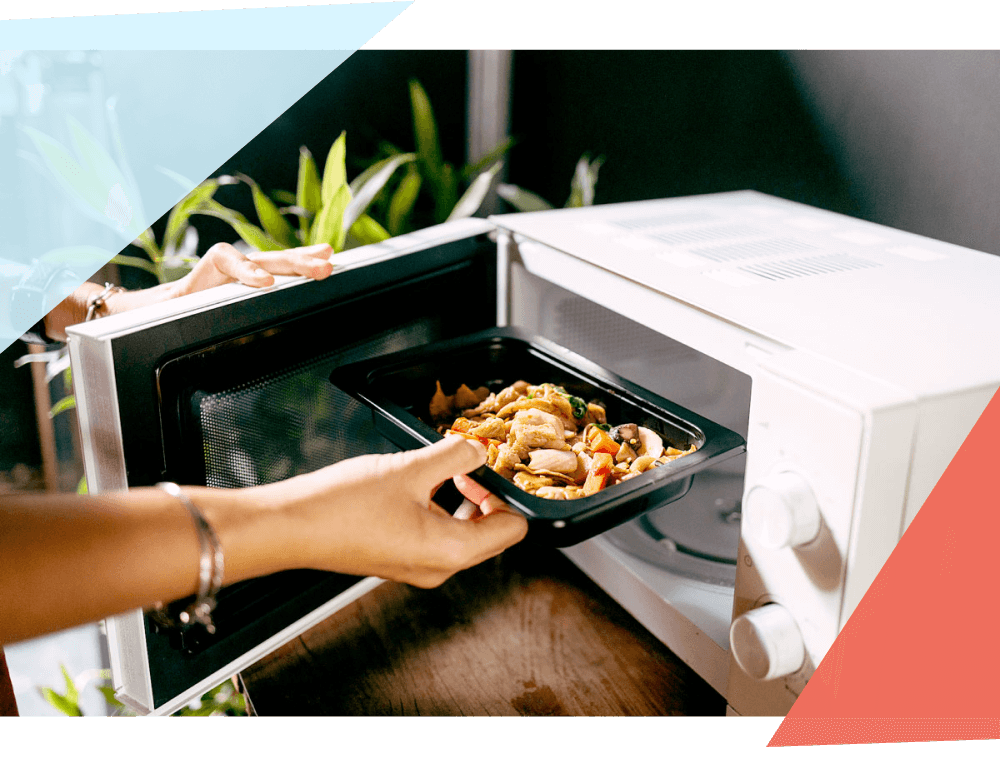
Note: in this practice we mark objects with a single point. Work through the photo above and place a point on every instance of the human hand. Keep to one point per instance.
(373, 515)
(223, 263)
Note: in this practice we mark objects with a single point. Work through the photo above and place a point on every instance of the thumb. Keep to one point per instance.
(442, 460)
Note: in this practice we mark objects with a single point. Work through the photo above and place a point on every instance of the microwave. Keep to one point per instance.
(852, 359)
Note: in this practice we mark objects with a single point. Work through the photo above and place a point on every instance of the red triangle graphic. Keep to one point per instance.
(917, 661)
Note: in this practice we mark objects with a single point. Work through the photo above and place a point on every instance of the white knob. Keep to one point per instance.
(766, 642)
(781, 511)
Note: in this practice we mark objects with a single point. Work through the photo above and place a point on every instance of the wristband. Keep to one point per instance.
(210, 571)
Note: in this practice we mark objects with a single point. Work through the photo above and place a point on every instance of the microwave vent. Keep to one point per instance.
(647, 223)
(753, 249)
(720, 232)
(821, 264)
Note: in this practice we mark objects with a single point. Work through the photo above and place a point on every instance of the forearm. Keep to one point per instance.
(73, 309)
(67, 560)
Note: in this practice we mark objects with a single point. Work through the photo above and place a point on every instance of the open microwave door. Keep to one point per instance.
(230, 388)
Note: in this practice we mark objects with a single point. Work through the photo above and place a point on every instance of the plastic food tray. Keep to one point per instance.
(398, 389)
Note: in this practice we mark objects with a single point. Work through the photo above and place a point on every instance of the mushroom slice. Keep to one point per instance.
(625, 453)
(628, 434)
(652, 444)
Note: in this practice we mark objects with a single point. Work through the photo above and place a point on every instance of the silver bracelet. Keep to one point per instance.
(210, 569)
(97, 301)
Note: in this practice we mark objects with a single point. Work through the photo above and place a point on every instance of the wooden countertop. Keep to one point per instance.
(526, 633)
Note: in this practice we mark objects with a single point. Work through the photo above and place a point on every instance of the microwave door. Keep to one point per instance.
(230, 388)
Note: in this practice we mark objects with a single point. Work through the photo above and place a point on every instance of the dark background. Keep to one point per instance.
(905, 138)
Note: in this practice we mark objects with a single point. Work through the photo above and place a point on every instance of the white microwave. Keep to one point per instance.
(852, 358)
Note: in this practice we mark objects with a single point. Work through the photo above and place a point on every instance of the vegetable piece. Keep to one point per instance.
(597, 478)
(601, 442)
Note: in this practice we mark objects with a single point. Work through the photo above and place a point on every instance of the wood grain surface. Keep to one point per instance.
(525, 634)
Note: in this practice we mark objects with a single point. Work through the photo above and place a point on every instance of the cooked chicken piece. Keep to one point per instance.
(525, 437)
(596, 413)
(534, 416)
(557, 461)
(441, 404)
(492, 452)
(530, 483)
(492, 428)
(506, 461)
(560, 492)
(463, 425)
(523, 404)
(467, 399)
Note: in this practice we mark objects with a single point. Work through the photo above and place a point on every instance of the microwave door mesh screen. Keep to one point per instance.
(293, 421)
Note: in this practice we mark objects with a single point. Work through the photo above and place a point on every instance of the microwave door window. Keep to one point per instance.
(248, 405)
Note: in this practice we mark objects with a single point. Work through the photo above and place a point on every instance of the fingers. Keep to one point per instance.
(444, 459)
(477, 495)
(307, 261)
(489, 535)
(233, 265)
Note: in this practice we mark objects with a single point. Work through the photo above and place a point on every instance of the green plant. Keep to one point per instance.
(582, 189)
(223, 700)
(378, 203)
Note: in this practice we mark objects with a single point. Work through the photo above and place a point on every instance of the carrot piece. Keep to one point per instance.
(600, 471)
(602, 443)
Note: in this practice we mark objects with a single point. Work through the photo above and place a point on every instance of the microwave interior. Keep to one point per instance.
(242, 397)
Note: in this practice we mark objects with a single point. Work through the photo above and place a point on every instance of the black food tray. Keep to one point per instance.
(398, 389)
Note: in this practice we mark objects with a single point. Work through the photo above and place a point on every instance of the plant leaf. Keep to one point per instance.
(284, 197)
(403, 200)
(105, 169)
(308, 193)
(447, 196)
(584, 184)
(134, 261)
(491, 157)
(63, 404)
(71, 692)
(183, 181)
(254, 236)
(67, 172)
(59, 702)
(329, 225)
(109, 696)
(426, 135)
(372, 186)
(473, 197)
(376, 168)
(270, 217)
(181, 213)
(147, 242)
(81, 487)
(367, 231)
(335, 170)
(522, 199)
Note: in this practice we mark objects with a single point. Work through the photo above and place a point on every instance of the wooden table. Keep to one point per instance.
(526, 633)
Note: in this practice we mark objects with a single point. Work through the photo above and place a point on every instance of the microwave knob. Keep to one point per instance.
(781, 511)
(767, 643)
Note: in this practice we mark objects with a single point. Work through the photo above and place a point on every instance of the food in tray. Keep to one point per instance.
(548, 442)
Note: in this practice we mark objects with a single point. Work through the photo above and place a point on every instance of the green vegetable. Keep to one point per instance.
(606, 428)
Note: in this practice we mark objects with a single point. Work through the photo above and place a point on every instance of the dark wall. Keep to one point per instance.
(668, 123)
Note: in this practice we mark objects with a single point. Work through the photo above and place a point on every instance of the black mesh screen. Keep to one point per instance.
(293, 421)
